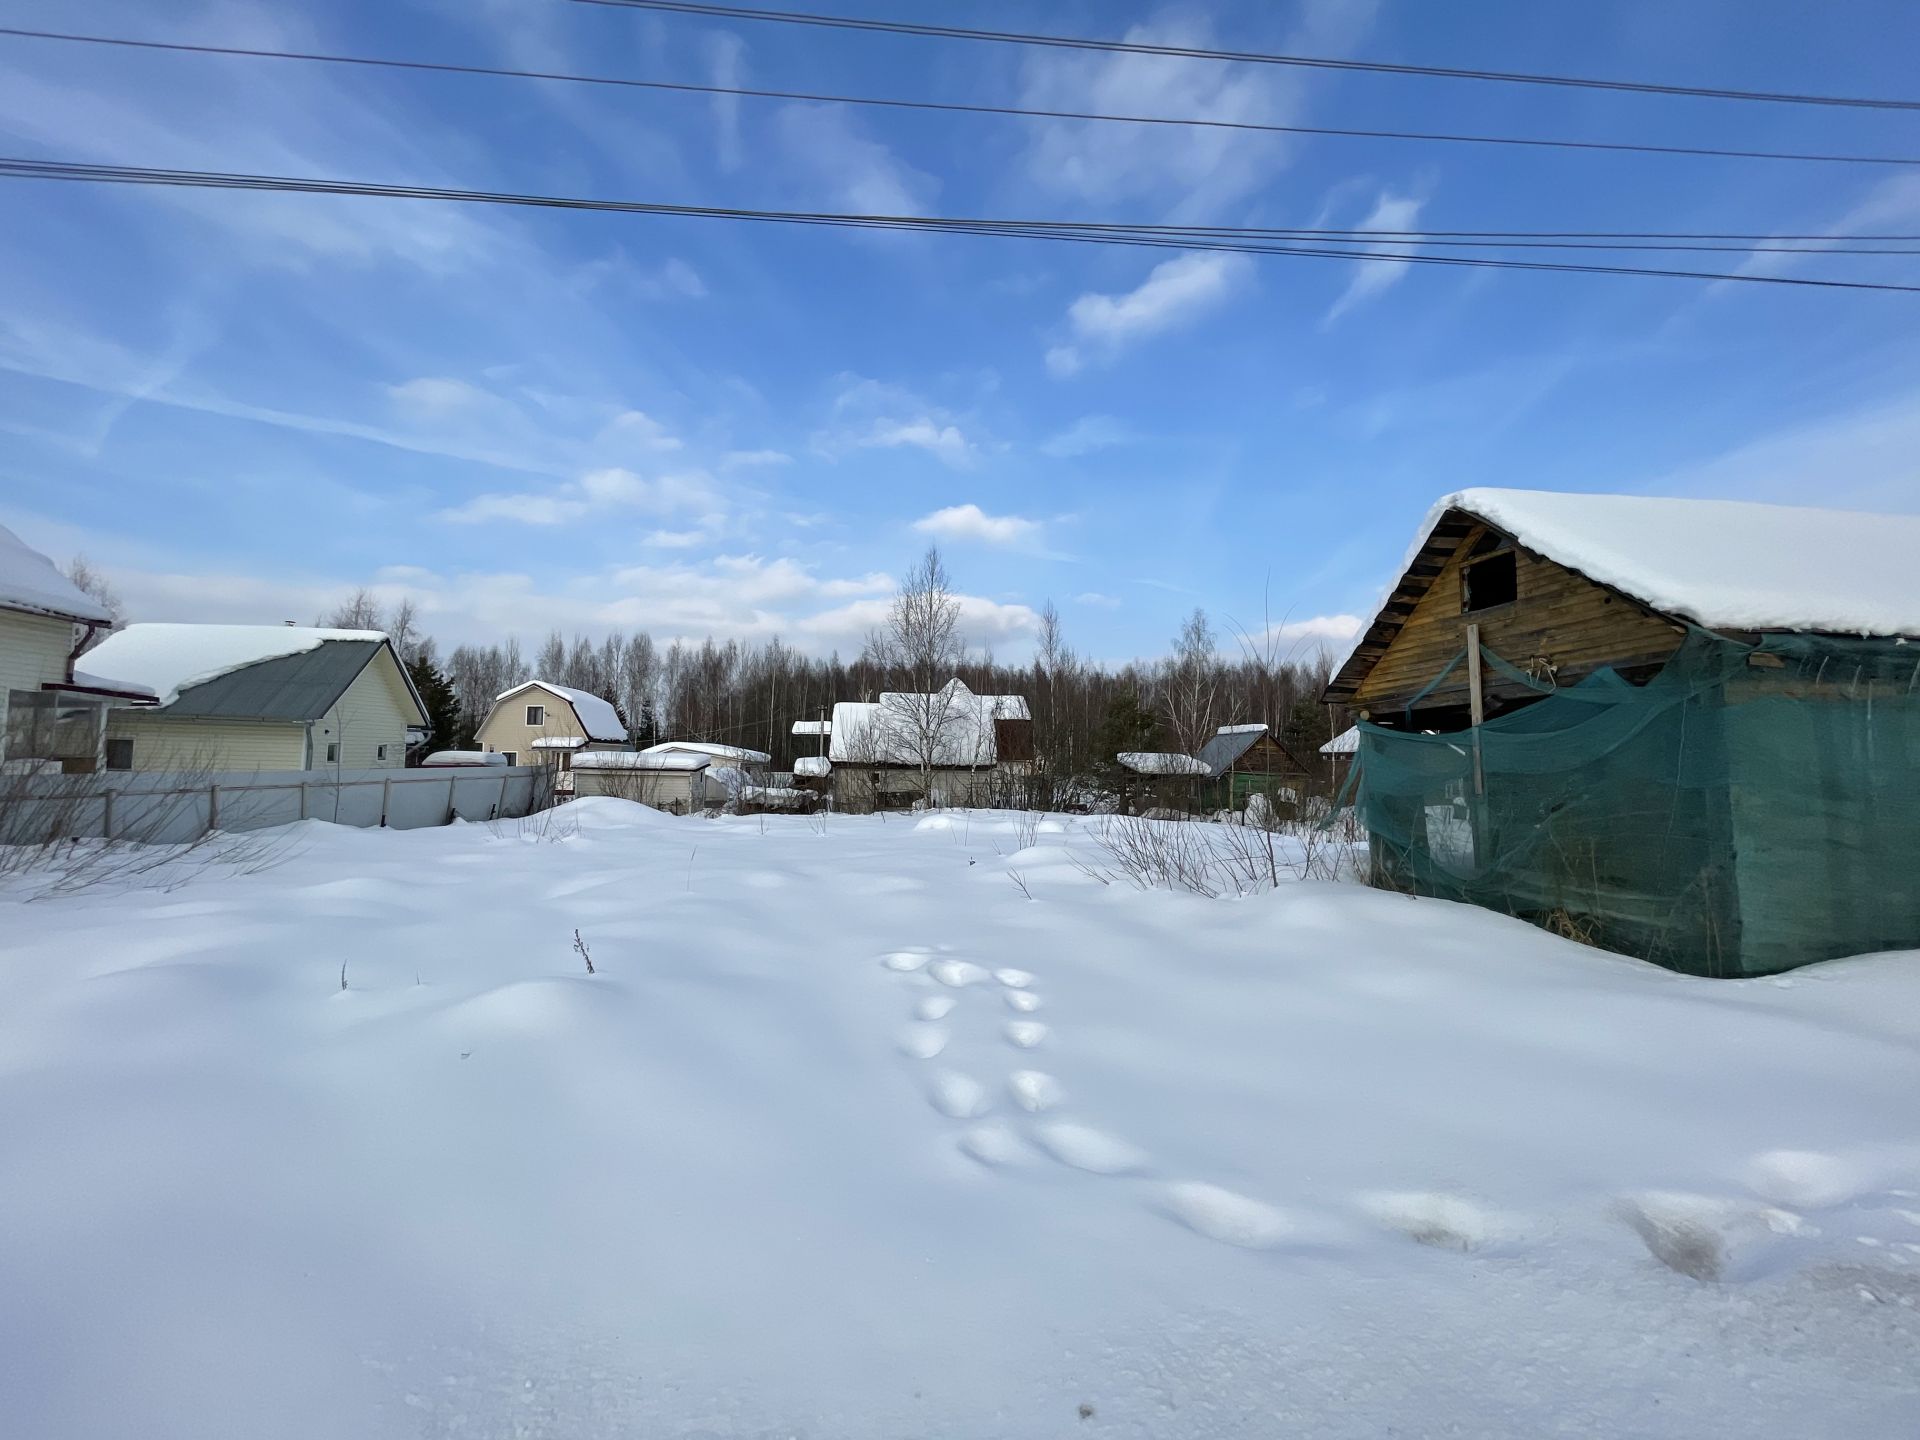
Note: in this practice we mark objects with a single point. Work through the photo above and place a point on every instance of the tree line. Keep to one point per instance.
(750, 693)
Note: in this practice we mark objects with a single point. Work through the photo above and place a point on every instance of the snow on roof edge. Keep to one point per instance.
(168, 657)
(31, 583)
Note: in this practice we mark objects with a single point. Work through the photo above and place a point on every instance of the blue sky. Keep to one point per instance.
(242, 406)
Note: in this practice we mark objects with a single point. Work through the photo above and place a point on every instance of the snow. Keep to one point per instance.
(885, 731)
(736, 753)
(1724, 564)
(1321, 1161)
(641, 760)
(559, 742)
(1256, 728)
(1347, 742)
(597, 717)
(813, 727)
(464, 757)
(813, 767)
(88, 681)
(31, 582)
(169, 658)
(1146, 762)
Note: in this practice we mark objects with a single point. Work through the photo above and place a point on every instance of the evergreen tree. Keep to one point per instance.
(444, 716)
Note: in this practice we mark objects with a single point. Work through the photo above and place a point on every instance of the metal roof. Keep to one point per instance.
(301, 686)
(1219, 753)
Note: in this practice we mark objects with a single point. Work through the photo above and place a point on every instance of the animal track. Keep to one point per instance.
(905, 961)
(1013, 979)
(957, 1096)
(1447, 1222)
(923, 1042)
(995, 1145)
(1025, 1033)
(955, 974)
(1085, 1148)
(934, 1007)
(1024, 1001)
(1232, 1219)
(1034, 1090)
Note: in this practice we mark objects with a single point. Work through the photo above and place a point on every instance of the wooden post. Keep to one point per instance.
(386, 797)
(303, 799)
(501, 808)
(106, 819)
(452, 814)
(213, 806)
(1478, 704)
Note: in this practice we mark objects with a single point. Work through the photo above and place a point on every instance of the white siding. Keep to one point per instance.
(374, 710)
(33, 652)
(663, 789)
(161, 743)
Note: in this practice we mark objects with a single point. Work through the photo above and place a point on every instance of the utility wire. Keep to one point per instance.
(1188, 52)
(1044, 230)
(954, 107)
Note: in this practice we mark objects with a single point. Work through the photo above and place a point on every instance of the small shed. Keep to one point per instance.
(672, 781)
(1159, 780)
(1687, 730)
(1247, 760)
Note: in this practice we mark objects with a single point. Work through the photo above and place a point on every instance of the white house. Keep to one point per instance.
(540, 721)
(50, 710)
(886, 751)
(259, 697)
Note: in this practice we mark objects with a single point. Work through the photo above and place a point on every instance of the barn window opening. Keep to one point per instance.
(333, 752)
(119, 752)
(1490, 581)
(379, 752)
(536, 714)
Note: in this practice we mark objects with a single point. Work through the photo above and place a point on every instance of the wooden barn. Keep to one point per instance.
(1684, 729)
(1247, 760)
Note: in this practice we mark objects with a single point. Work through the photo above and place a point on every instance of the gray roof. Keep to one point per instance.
(301, 686)
(1219, 753)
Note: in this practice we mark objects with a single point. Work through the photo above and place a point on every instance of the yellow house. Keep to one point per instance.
(260, 697)
(541, 722)
(50, 711)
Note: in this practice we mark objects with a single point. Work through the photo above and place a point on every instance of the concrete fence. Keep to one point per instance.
(167, 807)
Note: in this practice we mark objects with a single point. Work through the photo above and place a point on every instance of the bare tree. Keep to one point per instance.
(1191, 682)
(923, 649)
(361, 611)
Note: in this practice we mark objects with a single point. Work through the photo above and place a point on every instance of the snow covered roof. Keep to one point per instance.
(1148, 762)
(86, 680)
(1254, 729)
(888, 731)
(813, 727)
(597, 717)
(813, 766)
(463, 757)
(1347, 742)
(559, 742)
(717, 752)
(168, 659)
(641, 760)
(31, 582)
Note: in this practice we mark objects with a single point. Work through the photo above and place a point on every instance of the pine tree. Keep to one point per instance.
(443, 707)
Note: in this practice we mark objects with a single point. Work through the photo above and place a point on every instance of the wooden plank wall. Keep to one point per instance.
(1560, 619)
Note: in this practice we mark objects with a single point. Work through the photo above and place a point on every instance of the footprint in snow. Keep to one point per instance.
(1013, 979)
(1446, 1222)
(995, 1145)
(1034, 1090)
(905, 961)
(934, 1007)
(1024, 1001)
(956, 974)
(1085, 1148)
(923, 1042)
(957, 1096)
(1231, 1218)
(1025, 1033)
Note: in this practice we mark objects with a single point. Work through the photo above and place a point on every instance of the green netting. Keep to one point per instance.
(1749, 809)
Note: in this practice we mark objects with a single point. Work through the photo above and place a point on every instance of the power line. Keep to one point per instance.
(955, 107)
(1249, 57)
(1058, 231)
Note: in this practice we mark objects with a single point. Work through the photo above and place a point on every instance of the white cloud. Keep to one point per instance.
(858, 174)
(1372, 278)
(1086, 435)
(1175, 293)
(674, 279)
(1097, 600)
(970, 522)
(746, 458)
(434, 397)
(675, 539)
(1197, 170)
(726, 68)
(636, 428)
(598, 491)
(873, 415)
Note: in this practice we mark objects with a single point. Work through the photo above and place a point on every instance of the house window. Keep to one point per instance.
(1490, 581)
(536, 715)
(513, 756)
(333, 752)
(379, 752)
(120, 752)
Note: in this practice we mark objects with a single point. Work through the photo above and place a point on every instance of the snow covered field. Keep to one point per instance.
(848, 1138)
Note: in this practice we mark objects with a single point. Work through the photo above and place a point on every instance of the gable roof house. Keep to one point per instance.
(51, 711)
(539, 722)
(259, 697)
(950, 747)
(1688, 730)
(1248, 760)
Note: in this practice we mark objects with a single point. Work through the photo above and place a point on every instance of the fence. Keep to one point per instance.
(172, 808)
